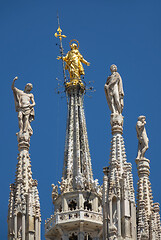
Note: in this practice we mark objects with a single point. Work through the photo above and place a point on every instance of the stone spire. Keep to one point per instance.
(77, 170)
(24, 218)
(148, 217)
(77, 208)
(119, 209)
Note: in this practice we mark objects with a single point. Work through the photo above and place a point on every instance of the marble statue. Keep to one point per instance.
(24, 104)
(74, 61)
(142, 137)
(19, 233)
(114, 91)
(54, 192)
(80, 181)
(63, 184)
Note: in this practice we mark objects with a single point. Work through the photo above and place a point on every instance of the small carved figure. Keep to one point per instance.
(74, 61)
(54, 191)
(70, 184)
(142, 137)
(19, 233)
(115, 218)
(100, 191)
(63, 184)
(114, 91)
(79, 181)
(95, 185)
(24, 104)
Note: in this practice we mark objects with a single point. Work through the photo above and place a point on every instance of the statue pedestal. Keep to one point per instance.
(116, 123)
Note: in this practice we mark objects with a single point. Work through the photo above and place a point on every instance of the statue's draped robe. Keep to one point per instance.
(111, 81)
(73, 61)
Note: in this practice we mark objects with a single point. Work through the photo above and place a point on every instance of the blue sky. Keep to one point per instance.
(126, 33)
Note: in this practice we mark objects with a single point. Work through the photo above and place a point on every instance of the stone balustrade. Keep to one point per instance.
(73, 215)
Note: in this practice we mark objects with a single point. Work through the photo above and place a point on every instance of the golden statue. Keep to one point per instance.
(74, 61)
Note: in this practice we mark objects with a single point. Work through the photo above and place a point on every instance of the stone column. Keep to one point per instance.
(23, 227)
(81, 232)
(80, 206)
(119, 217)
(133, 220)
(105, 203)
(39, 230)
(95, 204)
(144, 195)
(110, 212)
(36, 228)
(15, 225)
(64, 204)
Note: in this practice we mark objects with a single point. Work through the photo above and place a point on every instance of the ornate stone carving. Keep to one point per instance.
(24, 217)
(96, 187)
(142, 137)
(116, 123)
(80, 180)
(118, 193)
(54, 192)
(63, 185)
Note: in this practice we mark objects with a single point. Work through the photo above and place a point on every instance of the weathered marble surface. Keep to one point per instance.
(24, 104)
(114, 91)
(142, 137)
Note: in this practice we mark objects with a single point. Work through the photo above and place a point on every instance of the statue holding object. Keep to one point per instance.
(74, 60)
(24, 104)
(142, 137)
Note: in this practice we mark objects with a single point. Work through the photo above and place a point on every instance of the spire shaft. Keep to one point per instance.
(78, 205)
(119, 211)
(24, 217)
(148, 217)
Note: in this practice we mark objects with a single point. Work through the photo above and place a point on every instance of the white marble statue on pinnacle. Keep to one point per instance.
(24, 105)
(148, 217)
(114, 91)
(119, 209)
(142, 137)
(24, 217)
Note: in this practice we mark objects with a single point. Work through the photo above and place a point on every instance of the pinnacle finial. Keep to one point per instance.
(59, 30)
(59, 33)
